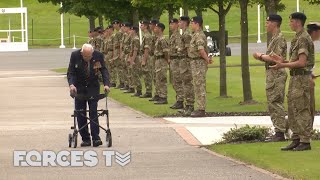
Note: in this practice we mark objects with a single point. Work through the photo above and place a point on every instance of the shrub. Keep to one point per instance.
(246, 134)
(315, 134)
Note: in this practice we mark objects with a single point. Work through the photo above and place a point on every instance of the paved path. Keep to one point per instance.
(209, 130)
(35, 115)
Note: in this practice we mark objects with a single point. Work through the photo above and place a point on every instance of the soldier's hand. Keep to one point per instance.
(143, 62)
(256, 55)
(278, 65)
(210, 60)
(276, 58)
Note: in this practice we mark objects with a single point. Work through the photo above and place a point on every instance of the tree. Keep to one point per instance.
(246, 85)
(313, 1)
(223, 9)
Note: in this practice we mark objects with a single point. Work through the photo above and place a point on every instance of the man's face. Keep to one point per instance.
(156, 30)
(270, 26)
(194, 25)
(151, 26)
(86, 55)
(106, 32)
(115, 26)
(293, 24)
(173, 26)
(315, 35)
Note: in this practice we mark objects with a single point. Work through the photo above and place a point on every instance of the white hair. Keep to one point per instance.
(87, 46)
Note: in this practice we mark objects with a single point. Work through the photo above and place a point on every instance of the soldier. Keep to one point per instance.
(174, 43)
(97, 41)
(90, 40)
(185, 66)
(146, 64)
(126, 49)
(275, 79)
(108, 51)
(301, 62)
(313, 29)
(161, 55)
(116, 51)
(152, 25)
(134, 63)
(198, 52)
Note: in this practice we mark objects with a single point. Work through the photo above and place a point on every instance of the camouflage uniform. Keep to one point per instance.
(116, 54)
(113, 69)
(299, 106)
(161, 66)
(147, 68)
(199, 67)
(174, 43)
(152, 59)
(97, 43)
(185, 68)
(126, 42)
(276, 83)
(135, 68)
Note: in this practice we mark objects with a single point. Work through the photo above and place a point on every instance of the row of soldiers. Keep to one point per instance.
(301, 100)
(184, 54)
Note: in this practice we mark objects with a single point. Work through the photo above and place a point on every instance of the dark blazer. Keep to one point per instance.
(77, 73)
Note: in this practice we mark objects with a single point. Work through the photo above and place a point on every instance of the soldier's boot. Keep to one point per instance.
(137, 94)
(303, 147)
(121, 85)
(162, 101)
(189, 109)
(198, 113)
(177, 105)
(113, 85)
(155, 98)
(295, 143)
(130, 90)
(278, 137)
(146, 95)
(125, 87)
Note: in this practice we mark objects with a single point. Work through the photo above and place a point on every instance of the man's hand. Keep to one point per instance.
(143, 62)
(73, 90)
(257, 55)
(278, 65)
(106, 89)
(209, 60)
(277, 58)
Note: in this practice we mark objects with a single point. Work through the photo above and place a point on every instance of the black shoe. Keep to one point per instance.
(303, 147)
(97, 143)
(125, 88)
(155, 98)
(162, 101)
(278, 137)
(137, 94)
(146, 95)
(187, 111)
(85, 143)
(177, 105)
(295, 143)
(121, 85)
(198, 113)
(131, 90)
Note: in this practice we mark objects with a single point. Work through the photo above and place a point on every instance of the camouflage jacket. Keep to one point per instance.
(126, 44)
(147, 42)
(302, 44)
(185, 42)
(174, 43)
(135, 45)
(161, 47)
(198, 42)
(278, 46)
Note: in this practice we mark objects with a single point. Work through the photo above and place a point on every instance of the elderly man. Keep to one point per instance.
(84, 67)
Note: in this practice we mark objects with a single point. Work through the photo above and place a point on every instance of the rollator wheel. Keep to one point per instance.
(74, 140)
(70, 139)
(108, 139)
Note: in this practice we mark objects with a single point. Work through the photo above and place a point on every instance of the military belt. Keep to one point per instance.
(174, 57)
(159, 57)
(297, 72)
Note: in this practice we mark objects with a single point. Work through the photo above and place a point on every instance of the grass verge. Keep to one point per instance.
(295, 165)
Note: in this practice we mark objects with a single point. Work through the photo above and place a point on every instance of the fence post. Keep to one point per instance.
(74, 42)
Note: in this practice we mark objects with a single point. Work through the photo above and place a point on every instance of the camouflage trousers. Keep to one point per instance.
(177, 82)
(299, 108)
(146, 72)
(199, 69)
(161, 67)
(135, 72)
(111, 68)
(275, 90)
(125, 74)
(152, 59)
(312, 100)
(186, 76)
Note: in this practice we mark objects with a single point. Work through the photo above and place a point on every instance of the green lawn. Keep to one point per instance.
(297, 165)
(214, 104)
(46, 22)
